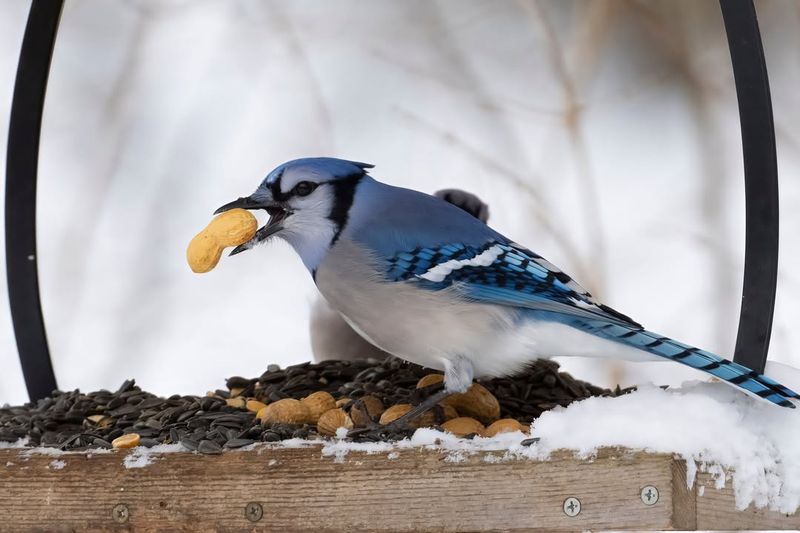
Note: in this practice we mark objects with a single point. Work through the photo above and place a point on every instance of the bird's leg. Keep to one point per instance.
(405, 423)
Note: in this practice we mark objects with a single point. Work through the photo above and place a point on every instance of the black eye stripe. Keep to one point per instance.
(304, 188)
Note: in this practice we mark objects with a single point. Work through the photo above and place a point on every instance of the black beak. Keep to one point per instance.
(245, 202)
(277, 215)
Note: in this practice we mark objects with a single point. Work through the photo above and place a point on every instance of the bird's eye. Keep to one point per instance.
(304, 188)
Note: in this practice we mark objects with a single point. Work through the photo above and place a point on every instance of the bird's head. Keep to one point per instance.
(308, 201)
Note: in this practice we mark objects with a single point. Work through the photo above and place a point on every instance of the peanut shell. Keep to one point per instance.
(317, 403)
(333, 419)
(463, 426)
(477, 403)
(430, 379)
(238, 402)
(394, 412)
(129, 440)
(285, 411)
(230, 228)
(505, 425)
(255, 406)
(366, 410)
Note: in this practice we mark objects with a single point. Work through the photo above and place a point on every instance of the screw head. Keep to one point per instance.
(120, 513)
(253, 511)
(649, 495)
(572, 506)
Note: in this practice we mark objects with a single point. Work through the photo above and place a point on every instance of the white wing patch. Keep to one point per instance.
(437, 273)
(584, 304)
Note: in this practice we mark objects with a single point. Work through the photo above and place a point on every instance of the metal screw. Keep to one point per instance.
(572, 506)
(253, 511)
(120, 513)
(649, 495)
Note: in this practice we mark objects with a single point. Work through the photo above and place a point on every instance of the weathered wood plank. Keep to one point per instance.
(684, 499)
(418, 490)
(716, 511)
(299, 489)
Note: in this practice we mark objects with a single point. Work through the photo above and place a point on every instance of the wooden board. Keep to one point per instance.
(300, 489)
(716, 510)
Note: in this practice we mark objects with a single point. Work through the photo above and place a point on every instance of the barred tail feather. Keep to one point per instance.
(733, 373)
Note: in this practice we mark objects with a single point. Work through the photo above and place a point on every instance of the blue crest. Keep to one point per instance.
(319, 168)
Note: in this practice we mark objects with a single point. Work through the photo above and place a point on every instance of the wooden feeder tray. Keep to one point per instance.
(274, 488)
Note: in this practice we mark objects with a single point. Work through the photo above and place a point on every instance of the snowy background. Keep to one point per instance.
(603, 134)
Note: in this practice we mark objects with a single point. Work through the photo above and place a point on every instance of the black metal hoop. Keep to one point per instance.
(760, 183)
(21, 170)
(758, 144)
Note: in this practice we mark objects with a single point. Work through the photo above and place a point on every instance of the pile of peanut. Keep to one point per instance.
(475, 412)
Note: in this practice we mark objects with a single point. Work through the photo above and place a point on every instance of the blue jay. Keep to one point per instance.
(431, 284)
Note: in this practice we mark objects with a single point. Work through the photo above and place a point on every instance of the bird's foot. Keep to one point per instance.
(403, 427)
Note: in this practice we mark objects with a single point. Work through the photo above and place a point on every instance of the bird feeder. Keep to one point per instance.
(292, 489)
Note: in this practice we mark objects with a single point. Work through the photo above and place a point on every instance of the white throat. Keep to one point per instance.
(309, 229)
(312, 243)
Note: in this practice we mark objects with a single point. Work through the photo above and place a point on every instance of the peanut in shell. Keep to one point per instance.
(332, 420)
(230, 228)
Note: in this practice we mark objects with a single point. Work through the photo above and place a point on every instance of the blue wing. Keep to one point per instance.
(504, 273)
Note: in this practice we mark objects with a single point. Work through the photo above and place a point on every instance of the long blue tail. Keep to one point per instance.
(726, 370)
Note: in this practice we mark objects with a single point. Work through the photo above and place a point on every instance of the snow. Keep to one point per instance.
(57, 464)
(45, 450)
(135, 459)
(27, 451)
(708, 424)
(141, 457)
(20, 443)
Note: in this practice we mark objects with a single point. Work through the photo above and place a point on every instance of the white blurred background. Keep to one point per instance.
(603, 134)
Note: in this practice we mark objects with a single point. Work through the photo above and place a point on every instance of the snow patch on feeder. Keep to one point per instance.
(141, 456)
(714, 428)
(338, 448)
(19, 443)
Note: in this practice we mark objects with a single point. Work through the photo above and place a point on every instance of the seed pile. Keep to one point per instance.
(306, 401)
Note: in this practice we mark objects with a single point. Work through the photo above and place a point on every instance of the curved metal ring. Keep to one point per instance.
(760, 182)
(21, 169)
